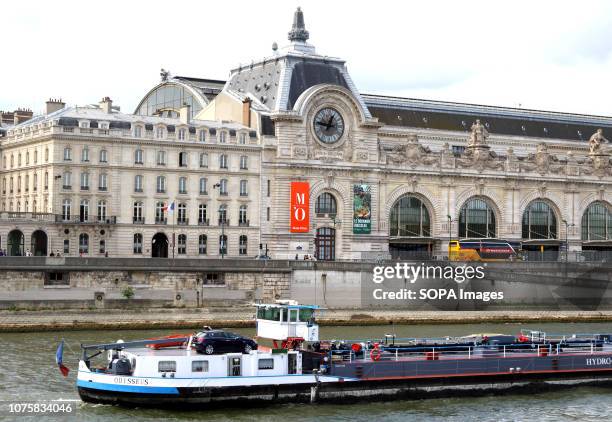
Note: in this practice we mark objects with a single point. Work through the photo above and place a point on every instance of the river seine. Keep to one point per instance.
(28, 373)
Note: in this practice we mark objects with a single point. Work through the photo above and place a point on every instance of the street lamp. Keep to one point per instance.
(222, 223)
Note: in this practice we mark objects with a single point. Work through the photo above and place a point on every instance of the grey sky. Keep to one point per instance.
(544, 55)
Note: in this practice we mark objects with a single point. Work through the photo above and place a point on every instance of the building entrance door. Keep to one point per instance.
(325, 244)
(159, 246)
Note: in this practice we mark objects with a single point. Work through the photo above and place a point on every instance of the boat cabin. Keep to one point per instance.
(285, 320)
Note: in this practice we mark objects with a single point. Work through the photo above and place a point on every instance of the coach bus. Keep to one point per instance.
(483, 250)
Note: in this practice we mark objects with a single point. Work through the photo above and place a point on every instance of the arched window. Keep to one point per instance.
(137, 243)
(409, 218)
(202, 240)
(242, 245)
(477, 219)
(597, 222)
(182, 244)
(83, 243)
(539, 221)
(326, 204)
(161, 184)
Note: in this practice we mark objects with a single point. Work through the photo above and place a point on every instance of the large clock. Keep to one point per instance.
(328, 125)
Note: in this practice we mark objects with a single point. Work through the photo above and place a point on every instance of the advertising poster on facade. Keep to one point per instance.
(299, 207)
(362, 210)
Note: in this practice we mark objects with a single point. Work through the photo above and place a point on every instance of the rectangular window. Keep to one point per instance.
(244, 162)
(56, 279)
(166, 366)
(213, 279)
(66, 246)
(199, 366)
(265, 364)
(268, 214)
(268, 188)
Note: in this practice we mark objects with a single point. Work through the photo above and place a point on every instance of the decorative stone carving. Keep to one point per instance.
(542, 161)
(478, 136)
(477, 153)
(511, 161)
(411, 153)
(598, 160)
(595, 142)
(446, 157)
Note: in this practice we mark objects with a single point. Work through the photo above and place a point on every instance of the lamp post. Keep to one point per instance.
(567, 225)
(222, 223)
(450, 233)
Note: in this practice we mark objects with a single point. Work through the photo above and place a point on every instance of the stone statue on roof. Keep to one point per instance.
(595, 142)
(164, 74)
(479, 134)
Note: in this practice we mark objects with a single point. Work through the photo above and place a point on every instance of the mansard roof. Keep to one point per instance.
(442, 115)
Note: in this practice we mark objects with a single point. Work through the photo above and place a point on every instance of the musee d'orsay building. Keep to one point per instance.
(288, 153)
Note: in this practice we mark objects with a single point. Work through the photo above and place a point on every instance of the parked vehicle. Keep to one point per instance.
(218, 341)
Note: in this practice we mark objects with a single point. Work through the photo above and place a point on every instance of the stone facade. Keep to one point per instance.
(464, 171)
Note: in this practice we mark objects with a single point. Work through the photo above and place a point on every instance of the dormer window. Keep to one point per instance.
(202, 136)
(138, 131)
(222, 137)
(84, 125)
(181, 134)
(159, 132)
(104, 126)
(242, 138)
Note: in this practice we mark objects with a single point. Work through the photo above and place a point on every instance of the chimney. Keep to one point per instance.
(185, 114)
(54, 105)
(246, 112)
(106, 105)
(21, 115)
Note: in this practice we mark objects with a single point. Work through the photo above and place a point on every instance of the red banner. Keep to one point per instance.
(300, 199)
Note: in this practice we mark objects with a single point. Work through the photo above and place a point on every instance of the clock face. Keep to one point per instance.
(328, 125)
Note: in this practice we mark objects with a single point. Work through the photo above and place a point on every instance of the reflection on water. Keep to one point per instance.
(28, 372)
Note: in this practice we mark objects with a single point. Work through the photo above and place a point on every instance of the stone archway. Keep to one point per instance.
(39, 243)
(15, 243)
(159, 246)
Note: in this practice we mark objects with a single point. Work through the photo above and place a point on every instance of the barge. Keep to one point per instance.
(182, 372)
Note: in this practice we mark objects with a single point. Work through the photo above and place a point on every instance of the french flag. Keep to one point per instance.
(59, 359)
(169, 208)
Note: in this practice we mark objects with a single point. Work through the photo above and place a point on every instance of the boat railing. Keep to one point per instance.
(371, 352)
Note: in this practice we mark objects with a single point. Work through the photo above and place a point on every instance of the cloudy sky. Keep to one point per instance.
(543, 55)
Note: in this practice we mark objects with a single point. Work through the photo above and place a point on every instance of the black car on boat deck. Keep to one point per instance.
(218, 341)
